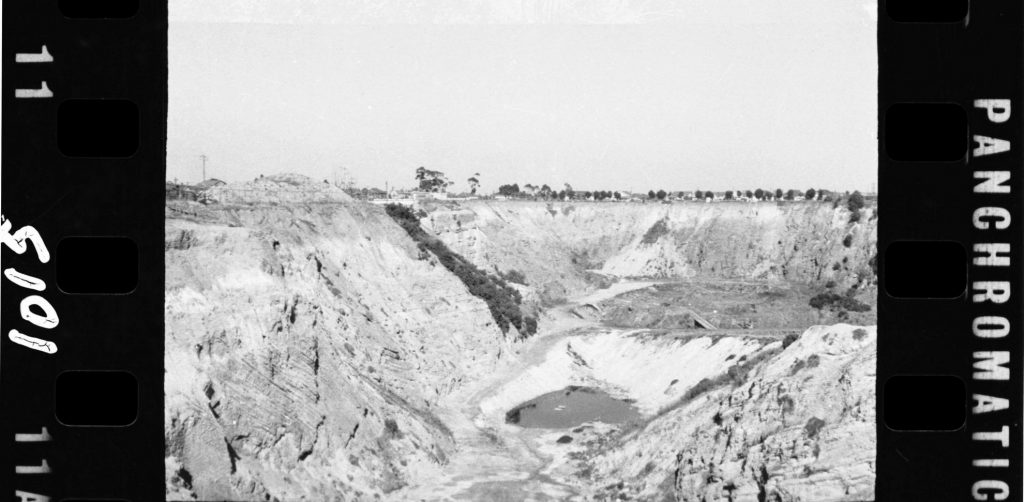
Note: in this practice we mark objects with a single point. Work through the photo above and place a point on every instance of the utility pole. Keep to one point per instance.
(203, 158)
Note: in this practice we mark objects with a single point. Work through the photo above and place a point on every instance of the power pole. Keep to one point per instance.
(203, 158)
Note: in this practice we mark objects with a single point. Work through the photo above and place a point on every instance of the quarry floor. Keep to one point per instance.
(496, 461)
(501, 462)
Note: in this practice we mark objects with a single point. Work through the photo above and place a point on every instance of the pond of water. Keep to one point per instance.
(570, 407)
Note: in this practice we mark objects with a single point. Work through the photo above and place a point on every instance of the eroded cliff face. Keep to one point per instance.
(554, 244)
(800, 429)
(305, 347)
(310, 346)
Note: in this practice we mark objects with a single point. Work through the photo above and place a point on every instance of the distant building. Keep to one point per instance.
(207, 184)
(422, 195)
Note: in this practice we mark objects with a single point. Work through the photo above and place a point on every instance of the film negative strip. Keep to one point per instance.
(331, 341)
(948, 379)
(81, 363)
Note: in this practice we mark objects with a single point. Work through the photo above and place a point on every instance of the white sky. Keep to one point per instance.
(602, 94)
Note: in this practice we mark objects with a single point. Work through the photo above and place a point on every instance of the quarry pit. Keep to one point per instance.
(377, 374)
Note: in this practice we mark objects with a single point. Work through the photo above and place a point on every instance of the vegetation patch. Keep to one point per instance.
(813, 427)
(798, 365)
(735, 376)
(813, 361)
(855, 202)
(514, 276)
(503, 301)
(859, 333)
(391, 428)
(654, 233)
(786, 403)
(835, 301)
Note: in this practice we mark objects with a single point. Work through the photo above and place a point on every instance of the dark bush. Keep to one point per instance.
(848, 240)
(788, 340)
(704, 385)
(514, 276)
(654, 233)
(838, 302)
(391, 427)
(859, 333)
(786, 403)
(855, 202)
(503, 301)
(813, 427)
(564, 439)
(797, 366)
(735, 376)
(813, 361)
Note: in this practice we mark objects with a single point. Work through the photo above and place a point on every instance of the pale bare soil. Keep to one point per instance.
(498, 461)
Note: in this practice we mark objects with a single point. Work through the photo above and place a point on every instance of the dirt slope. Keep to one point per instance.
(305, 347)
(800, 429)
(314, 353)
(554, 244)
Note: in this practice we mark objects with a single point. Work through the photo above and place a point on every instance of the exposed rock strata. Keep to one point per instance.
(801, 429)
(305, 346)
(794, 241)
(308, 346)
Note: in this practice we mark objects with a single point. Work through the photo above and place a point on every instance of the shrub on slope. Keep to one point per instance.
(503, 301)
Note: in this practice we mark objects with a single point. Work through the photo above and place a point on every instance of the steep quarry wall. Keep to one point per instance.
(311, 347)
(305, 347)
(554, 244)
(652, 371)
(800, 429)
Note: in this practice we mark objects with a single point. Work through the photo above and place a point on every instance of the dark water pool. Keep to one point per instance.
(570, 407)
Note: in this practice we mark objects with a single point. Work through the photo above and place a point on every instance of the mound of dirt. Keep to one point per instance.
(276, 189)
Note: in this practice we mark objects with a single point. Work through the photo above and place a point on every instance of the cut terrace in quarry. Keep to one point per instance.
(316, 351)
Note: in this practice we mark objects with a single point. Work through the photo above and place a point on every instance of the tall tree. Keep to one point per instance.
(474, 183)
(431, 181)
(809, 195)
(509, 190)
(855, 202)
